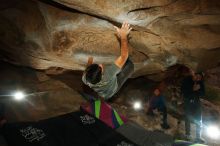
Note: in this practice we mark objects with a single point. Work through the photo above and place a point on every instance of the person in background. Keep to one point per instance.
(193, 89)
(157, 101)
(199, 92)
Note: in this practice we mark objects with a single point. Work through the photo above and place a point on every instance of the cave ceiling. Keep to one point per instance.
(45, 34)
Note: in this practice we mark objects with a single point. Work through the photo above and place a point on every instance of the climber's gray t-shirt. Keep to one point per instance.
(108, 85)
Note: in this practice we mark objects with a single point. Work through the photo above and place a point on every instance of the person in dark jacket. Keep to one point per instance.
(157, 101)
(193, 89)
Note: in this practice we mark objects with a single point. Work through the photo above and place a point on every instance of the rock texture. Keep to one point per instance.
(45, 97)
(58, 34)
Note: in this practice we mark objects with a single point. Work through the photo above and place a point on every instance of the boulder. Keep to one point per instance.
(64, 33)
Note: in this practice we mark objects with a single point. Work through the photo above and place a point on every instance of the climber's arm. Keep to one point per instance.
(90, 61)
(123, 33)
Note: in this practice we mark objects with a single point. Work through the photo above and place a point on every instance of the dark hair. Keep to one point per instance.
(200, 73)
(93, 73)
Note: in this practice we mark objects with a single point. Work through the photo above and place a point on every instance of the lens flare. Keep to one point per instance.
(18, 95)
(213, 132)
(137, 105)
